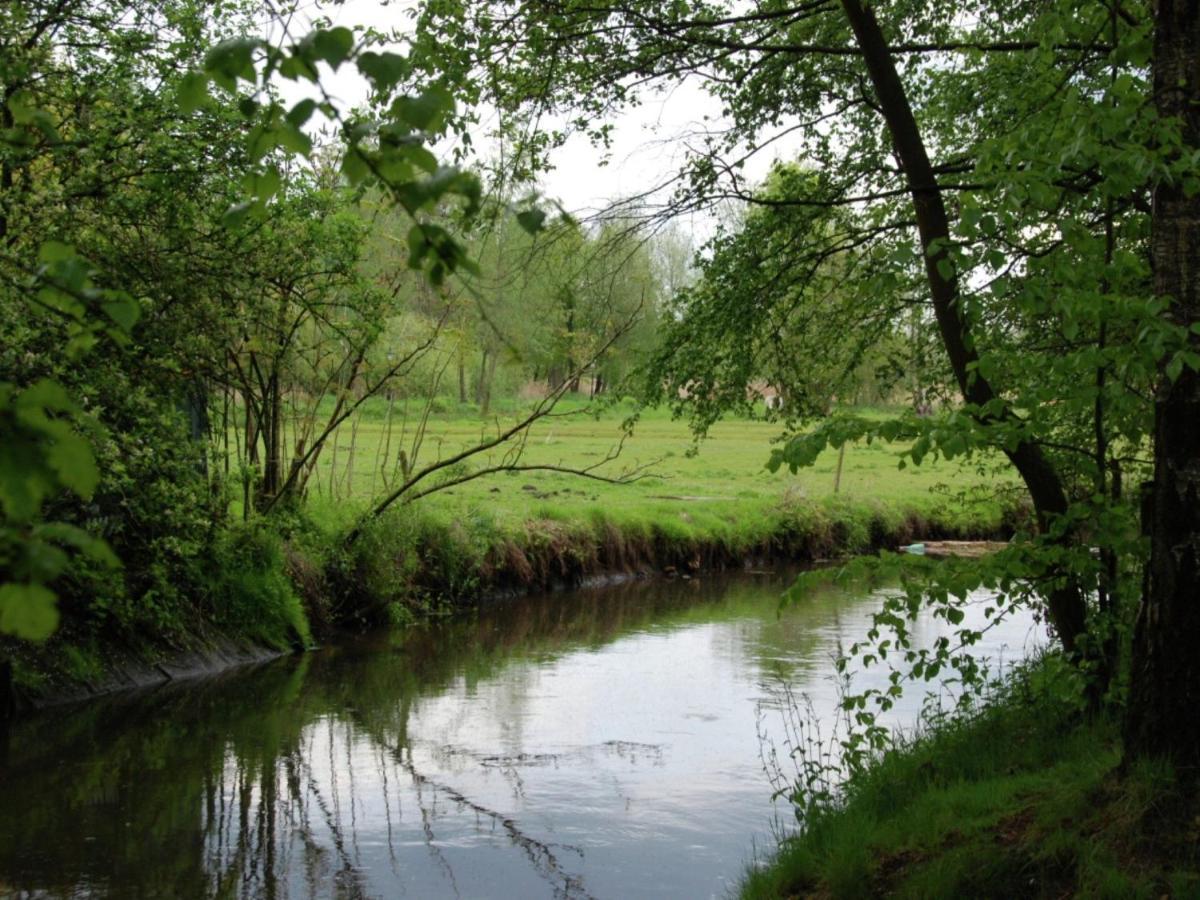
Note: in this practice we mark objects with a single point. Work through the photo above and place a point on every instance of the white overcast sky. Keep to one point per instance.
(647, 146)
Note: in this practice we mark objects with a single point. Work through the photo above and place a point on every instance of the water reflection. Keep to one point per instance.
(597, 744)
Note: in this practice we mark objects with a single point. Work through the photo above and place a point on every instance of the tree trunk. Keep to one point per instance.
(1065, 605)
(479, 384)
(195, 409)
(462, 378)
(351, 455)
(485, 386)
(1165, 674)
(272, 435)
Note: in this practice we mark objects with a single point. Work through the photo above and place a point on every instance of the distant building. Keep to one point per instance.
(770, 395)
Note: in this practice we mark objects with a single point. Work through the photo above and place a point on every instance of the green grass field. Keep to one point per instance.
(724, 481)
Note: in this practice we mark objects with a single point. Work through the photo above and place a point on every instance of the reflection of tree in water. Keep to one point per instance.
(265, 783)
(541, 855)
(262, 822)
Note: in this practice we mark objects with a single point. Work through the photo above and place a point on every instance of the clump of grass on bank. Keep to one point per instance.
(245, 590)
(1025, 799)
(249, 592)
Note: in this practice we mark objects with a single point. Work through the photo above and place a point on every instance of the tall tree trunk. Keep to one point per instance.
(225, 432)
(462, 378)
(479, 384)
(195, 409)
(272, 435)
(1065, 605)
(485, 386)
(353, 452)
(1165, 674)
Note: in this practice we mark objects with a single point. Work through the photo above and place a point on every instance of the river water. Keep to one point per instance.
(603, 743)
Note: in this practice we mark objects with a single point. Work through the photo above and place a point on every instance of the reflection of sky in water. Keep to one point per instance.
(626, 766)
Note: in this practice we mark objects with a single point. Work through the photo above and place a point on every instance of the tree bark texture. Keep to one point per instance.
(1162, 717)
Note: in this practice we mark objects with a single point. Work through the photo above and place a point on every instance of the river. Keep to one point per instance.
(601, 743)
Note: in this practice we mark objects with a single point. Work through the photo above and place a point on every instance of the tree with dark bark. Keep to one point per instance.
(1165, 667)
(981, 156)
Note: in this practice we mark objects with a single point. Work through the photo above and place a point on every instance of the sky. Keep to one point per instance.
(647, 141)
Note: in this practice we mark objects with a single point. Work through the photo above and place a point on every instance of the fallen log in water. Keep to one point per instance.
(942, 549)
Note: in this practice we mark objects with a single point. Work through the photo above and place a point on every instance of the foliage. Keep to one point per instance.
(981, 177)
(151, 176)
(40, 455)
(758, 318)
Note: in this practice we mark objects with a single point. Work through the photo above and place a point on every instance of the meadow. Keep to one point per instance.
(681, 484)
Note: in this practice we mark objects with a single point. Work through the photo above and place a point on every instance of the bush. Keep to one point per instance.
(248, 591)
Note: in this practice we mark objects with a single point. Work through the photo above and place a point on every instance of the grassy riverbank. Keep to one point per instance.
(1025, 799)
(693, 508)
(285, 580)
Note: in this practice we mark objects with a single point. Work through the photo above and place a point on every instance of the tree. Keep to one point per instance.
(1165, 676)
(125, 188)
(756, 317)
(989, 161)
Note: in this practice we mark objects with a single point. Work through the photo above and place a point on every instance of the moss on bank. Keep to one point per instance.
(1025, 799)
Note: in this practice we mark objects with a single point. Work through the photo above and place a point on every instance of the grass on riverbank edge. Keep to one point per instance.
(1024, 799)
(282, 590)
(408, 564)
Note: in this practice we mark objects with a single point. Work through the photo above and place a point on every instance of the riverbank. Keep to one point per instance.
(285, 589)
(1024, 799)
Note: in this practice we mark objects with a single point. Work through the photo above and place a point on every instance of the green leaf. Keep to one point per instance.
(295, 67)
(236, 214)
(93, 547)
(22, 485)
(56, 252)
(71, 459)
(291, 138)
(22, 107)
(46, 394)
(383, 70)
(301, 112)
(428, 111)
(919, 449)
(28, 611)
(193, 91)
(532, 220)
(1175, 366)
(333, 45)
(123, 310)
(418, 246)
(265, 184)
(230, 60)
(355, 166)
